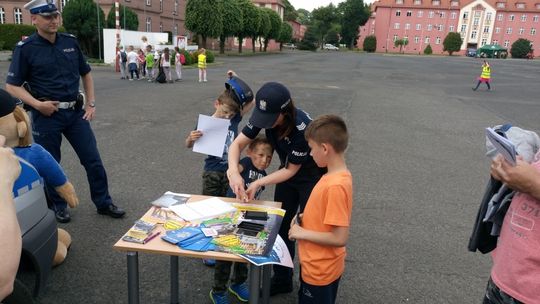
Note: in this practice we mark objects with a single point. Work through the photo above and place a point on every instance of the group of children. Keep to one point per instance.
(321, 230)
(147, 63)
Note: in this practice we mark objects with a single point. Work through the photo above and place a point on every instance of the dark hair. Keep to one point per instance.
(289, 120)
(227, 99)
(329, 129)
(176, 49)
(166, 53)
(260, 140)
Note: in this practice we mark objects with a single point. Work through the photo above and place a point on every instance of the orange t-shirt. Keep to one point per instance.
(329, 205)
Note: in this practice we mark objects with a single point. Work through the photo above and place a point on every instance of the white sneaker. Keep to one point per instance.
(204, 80)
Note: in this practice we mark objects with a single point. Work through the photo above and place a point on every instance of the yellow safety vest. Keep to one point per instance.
(202, 61)
(486, 72)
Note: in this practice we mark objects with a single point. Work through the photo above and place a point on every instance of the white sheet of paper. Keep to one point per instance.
(204, 209)
(215, 132)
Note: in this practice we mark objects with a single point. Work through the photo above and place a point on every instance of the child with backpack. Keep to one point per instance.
(149, 63)
(180, 59)
(122, 59)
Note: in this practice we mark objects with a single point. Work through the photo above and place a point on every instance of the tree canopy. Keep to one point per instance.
(285, 34)
(129, 21)
(290, 13)
(251, 24)
(520, 48)
(355, 14)
(323, 18)
(275, 27)
(452, 43)
(205, 18)
(80, 17)
(233, 21)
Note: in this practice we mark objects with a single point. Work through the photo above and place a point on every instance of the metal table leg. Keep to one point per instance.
(266, 274)
(174, 279)
(133, 277)
(254, 283)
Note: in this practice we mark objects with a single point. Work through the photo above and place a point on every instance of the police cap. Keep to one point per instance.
(42, 7)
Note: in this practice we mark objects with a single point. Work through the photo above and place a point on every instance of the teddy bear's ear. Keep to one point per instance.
(23, 127)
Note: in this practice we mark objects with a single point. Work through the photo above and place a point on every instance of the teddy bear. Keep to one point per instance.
(15, 127)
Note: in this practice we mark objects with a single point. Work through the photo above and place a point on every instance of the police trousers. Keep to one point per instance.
(48, 131)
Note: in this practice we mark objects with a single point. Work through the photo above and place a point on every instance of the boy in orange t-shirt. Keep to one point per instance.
(322, 229)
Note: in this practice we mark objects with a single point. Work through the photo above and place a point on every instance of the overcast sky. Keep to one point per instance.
(312, 4)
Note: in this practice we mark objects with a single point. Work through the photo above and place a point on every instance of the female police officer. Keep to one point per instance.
(284, 127)
(52, 64)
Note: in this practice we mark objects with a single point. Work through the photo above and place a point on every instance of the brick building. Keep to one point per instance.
(424, 22)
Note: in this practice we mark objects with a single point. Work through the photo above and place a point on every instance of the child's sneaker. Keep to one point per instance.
(219, 297)
(241, 291)
(209, 262)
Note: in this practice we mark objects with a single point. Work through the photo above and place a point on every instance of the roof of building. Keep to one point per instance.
(499, 5)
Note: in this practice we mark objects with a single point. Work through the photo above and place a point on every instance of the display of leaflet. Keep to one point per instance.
(170, 198)
(504, 146)
(279, 255)
(208, 208)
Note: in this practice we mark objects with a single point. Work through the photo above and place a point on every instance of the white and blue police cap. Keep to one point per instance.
(242, 93)
(42, 7)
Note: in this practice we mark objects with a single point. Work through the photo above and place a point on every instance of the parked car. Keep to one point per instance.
(38, 227)
(471, 53)
(289, 46)
(330, 47)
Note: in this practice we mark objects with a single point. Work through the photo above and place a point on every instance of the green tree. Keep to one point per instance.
(252, 21)
(452, 43)
(323, 19)
(275, 27)
(310, 40)
(233, 21)
(264, 27)
(205, 18)
(290, 13)
(80, 19)
(370, 44)
(304, 16)
(428, 50)
(332, 37)
(401, 43)
(130, 22)
(355, 14)
(520, 48)
(285, 34)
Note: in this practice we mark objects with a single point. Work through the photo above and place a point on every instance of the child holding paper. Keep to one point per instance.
(322, 230)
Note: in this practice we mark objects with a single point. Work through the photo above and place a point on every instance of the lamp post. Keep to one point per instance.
(99, 33)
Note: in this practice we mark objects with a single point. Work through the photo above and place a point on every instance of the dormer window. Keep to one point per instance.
(454, 3)
(435, 2)
(500, 4)
(419, 2)
(399, 1)
(520, 5)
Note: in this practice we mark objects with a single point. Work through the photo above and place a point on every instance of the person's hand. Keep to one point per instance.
(297, 219)
(89, 113)
(296, 231)
(195, 135)
(252, 190)
(9, 164)
(48, 107)
(236, 182)
(521, 177)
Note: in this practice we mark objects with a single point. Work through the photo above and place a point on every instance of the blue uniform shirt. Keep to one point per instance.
(249, 173)
(28, 179)
(52, 70)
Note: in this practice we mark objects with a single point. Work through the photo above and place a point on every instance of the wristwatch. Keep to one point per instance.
(92, 104)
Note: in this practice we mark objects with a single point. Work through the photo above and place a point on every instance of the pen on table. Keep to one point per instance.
(150, 237)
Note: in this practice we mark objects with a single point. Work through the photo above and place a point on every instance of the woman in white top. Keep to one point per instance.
(178, 63)
(166, 64)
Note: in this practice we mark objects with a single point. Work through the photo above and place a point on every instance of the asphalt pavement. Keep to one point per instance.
(416, 153)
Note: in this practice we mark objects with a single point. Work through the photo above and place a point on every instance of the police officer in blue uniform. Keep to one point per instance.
(52, 65)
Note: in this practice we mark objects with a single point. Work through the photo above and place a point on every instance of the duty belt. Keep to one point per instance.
(67, 105)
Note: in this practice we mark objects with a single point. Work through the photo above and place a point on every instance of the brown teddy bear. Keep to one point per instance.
(15, 127)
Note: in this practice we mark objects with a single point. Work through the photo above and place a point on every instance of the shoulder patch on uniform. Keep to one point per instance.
(21, 43)
(301, 126)
(68, 35)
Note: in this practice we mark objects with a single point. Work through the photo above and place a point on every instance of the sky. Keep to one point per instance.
(312, 4)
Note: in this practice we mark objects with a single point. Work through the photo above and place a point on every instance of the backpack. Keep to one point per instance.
(182, 59)
(161, 78)
(123, 56)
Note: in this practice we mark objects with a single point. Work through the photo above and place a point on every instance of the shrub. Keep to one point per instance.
(193, 55)
(520, 48)
(187, 55)
(428, 50)
(11, 34)
(370, 44)
(209, 56)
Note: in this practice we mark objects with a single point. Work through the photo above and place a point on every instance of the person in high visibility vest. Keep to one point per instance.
(202, 65)
(485, 76)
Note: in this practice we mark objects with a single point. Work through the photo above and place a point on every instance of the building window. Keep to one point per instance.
(398, 13)
(506, 43)
(523, 18)
(500, 17)
(431, 13)
(418, 26)
(538, 5)
(426, 40)
(149, 2)
(399, 1)
(477, 14)
(396, 26)
(409, 13)
(465, 15)
(453, 15)
(533, 31)
(417, 2)
(476, 21)
(2, 16)
(416, 39)
(18, 15)
(500, 4)
(520, 5)
(535, 19)
(451, 28)
(442, 15)
(488, 16)
(486, 29)
(429, 27)
(441, 27)
(495, 42)
(395, 38)
(454, 3)
(63, 3)
(511, 18)
(436, 2)
(438, 40)
(161, 5)
(497, 30)
(463, 28)
(420, 14)
(521, 31)
(148, 24)
(473, 35)
(407, 26)
(509, 30)
(484, 42)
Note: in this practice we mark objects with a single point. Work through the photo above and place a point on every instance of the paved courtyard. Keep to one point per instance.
(416, 153)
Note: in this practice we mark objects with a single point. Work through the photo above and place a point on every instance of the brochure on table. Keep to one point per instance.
(279, 255)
